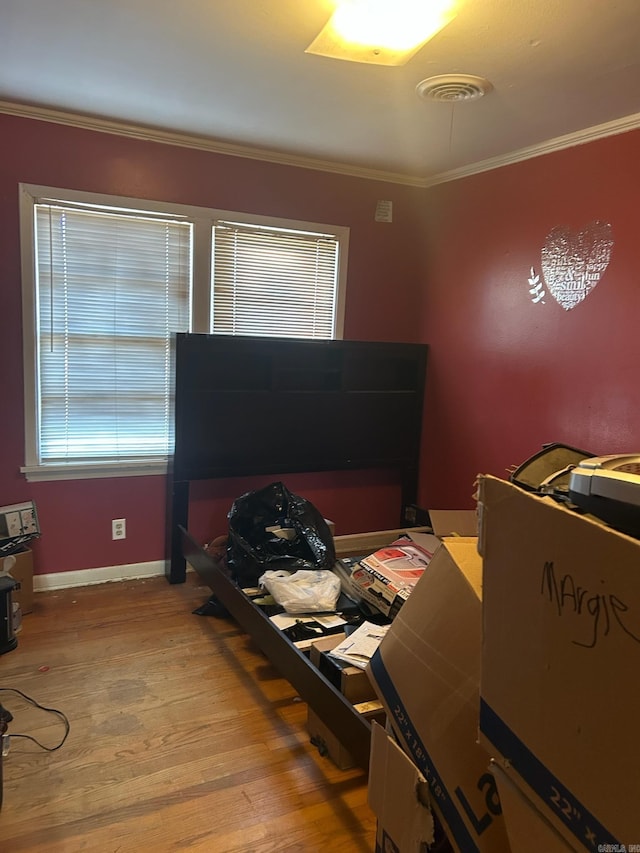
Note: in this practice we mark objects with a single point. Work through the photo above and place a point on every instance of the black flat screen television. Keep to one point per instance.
(255, 405)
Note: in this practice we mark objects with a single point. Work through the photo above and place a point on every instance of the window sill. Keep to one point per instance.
(95, 470)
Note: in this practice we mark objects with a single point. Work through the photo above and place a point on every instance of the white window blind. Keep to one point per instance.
(111, 289)
(107, 281)
(274, 281)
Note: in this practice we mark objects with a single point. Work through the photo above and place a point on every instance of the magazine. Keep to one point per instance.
(359, 647)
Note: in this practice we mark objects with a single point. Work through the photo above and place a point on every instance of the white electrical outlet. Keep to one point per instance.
(119, 528)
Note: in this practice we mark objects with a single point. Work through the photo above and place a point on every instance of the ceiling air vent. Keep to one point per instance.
(453, 87)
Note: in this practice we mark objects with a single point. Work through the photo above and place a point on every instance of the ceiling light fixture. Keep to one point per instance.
(381, 32)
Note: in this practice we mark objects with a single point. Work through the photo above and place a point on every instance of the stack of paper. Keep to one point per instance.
(358, 648)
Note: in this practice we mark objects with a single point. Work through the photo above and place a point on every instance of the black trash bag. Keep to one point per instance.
(252, 549)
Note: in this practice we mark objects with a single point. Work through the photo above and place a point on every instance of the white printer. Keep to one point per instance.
(609, 488)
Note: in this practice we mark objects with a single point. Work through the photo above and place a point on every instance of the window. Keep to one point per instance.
(106, 283)
(256, 271)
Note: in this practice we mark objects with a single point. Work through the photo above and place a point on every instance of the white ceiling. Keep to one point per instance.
(235, 73)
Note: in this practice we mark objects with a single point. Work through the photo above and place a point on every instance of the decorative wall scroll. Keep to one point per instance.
(572, 263)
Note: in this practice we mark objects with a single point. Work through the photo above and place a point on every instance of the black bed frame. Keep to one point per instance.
(215, 375)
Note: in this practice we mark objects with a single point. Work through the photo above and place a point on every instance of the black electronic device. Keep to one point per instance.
(549, 469)
(5, 718)
(609, 488)
(8, 639)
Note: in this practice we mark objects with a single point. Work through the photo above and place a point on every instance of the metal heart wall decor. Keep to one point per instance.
(572, 264)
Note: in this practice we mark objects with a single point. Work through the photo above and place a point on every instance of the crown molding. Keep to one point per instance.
(205, 143)
(570, 140)
(201, 143)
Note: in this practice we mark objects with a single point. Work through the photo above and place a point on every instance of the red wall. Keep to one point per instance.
(384, 292)
(507, 375)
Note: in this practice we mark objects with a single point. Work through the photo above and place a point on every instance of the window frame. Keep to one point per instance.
(203, 221)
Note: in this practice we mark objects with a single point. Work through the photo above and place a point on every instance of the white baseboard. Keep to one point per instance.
(106, 574)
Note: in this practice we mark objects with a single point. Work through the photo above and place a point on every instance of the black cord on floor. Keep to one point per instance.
(42, 708)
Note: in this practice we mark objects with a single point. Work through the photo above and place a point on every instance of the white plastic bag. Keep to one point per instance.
(304, 591)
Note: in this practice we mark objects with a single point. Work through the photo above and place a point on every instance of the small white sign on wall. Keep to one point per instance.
(384, 211)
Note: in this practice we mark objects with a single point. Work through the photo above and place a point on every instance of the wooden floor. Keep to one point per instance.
(182, 736)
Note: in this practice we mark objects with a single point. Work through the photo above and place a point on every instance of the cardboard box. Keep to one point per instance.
(454, 522)
(387, 577)
(398, 795)
(560, 703)
(427, 674)
(361, 544)
(444, 522)
(356, 687)
(528, 830)
(326, 741)
(372, 584)
(19, 566)
(351, 681)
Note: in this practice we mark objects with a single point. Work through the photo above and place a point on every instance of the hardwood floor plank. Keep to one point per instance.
(182, 736)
